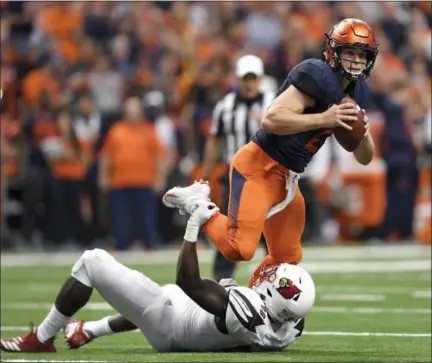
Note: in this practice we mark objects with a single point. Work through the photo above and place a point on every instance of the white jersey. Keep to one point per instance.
(247, 323)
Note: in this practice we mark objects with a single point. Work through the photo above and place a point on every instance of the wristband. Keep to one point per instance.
(191, 233)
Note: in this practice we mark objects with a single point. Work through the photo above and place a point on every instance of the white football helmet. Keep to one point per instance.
(288, 291)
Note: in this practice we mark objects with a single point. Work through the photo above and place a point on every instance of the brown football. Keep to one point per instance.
(350, 140)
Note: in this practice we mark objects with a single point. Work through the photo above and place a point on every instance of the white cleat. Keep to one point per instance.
(176, 197)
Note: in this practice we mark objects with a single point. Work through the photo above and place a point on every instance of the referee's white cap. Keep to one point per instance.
(249, 64)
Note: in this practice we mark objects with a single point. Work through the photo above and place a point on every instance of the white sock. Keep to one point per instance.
(98, 328)
(52, 324)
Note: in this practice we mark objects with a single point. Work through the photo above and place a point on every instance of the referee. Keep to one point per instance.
(236, 118)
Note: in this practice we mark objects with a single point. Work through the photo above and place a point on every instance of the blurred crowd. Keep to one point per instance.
(88, 85)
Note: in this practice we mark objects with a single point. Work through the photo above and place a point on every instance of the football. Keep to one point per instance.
(350, 140)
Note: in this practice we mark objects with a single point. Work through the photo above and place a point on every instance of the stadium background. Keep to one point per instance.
(60, 59)
(57, 59)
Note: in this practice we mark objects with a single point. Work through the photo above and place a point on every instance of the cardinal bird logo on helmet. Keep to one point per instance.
(288, 289)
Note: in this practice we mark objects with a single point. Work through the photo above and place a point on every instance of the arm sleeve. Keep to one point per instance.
(309, 79)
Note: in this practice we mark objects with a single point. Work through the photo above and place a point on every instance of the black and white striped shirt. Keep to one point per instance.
(236, 120)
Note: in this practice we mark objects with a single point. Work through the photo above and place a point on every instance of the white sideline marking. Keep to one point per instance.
(340, 333)
(95, 306)
(365, 267)
(168, 256)
(329, 289)
(101, 306)
(332, 292)
(352, 297)
(422, 294)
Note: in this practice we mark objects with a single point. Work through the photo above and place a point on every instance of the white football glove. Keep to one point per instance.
(202, 211)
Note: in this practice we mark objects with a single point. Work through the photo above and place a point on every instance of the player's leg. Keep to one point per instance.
(72, 296)
(254, 188)
(223, 268)
(145, 209)
(79, 332)
(237, 235)
(132, 294)
(283, 233)
(257, 184)
(120, 208)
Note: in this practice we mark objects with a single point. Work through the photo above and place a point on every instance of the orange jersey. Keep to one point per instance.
(73, 169)
(133, 150)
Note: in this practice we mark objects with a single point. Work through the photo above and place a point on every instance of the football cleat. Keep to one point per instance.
(176, 197)
(28, 343)
(75, 336)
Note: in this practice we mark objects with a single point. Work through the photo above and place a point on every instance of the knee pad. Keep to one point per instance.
(83, 267)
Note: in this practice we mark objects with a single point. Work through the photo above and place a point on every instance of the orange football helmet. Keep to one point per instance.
(351, 33)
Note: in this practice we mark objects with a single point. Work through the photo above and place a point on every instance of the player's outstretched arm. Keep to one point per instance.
(208, 294)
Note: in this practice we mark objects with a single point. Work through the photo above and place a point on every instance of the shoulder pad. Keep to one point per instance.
(315, 78)
(310, 77)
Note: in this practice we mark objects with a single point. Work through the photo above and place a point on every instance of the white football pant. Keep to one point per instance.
(131, 293)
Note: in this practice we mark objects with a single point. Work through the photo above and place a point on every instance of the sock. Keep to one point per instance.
(98, 328)
(51, 325)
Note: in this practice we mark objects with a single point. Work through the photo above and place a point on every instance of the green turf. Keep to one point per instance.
(40, 284)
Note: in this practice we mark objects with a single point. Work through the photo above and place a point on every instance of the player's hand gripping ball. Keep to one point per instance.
(351, 139)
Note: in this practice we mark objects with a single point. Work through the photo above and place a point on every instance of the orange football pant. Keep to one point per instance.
(257, 182)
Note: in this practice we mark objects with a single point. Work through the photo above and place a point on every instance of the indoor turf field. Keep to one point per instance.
(373, 305)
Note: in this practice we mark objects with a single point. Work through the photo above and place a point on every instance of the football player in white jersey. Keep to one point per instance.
(195, 314)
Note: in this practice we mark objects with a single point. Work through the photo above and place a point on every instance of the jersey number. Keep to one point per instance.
(317, 141)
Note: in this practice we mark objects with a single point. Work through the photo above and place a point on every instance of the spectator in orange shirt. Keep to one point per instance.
(133, 166)
(69, 159)
(61, 24)
(40, 83)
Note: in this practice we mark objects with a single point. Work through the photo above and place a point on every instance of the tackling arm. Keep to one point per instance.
(208, 294)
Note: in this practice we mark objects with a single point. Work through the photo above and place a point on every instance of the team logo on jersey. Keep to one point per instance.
(288, 289)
